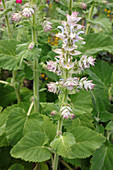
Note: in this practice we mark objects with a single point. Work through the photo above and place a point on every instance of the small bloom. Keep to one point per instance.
(53, 112)
(27, 12)
(16, 17)
(66, 112)
(47, 26)
(86, 84)
(51, 66)
(53, 87)
(19, 1)
(70, 83)
(31, 45)
(83, 5)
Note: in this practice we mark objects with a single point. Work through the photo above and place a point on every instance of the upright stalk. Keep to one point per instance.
(16, 87)
(35, 68)
(89, 17)
(70, 6)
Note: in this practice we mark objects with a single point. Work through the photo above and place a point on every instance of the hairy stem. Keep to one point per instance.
(70, 7)
(7, 20)
(89, 17)
(35, 68)
(16, 86)
(66, 165)
(17, 89)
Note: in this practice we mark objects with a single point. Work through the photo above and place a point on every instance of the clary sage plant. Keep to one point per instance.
(34, 135)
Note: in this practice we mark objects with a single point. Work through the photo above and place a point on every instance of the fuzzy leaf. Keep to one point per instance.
(31, 148)
(8, 59)
(103, 158)
(87, 141)
(19, 123)
(98, 42)
(82, 102)
(16, 167)
(62, 145)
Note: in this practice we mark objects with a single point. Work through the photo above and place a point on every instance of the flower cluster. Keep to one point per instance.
(65, 66)
(47, 26)
(66, 112)
(28, 11)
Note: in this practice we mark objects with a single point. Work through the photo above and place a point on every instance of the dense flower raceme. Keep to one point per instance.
(28, 11)
(65, 66)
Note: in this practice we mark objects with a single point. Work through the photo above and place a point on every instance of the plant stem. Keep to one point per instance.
(30, 108)
(6, 83)
(17, 89)
(89, 18)
(70, 6)
(16, 86)
(66, 165)
(7, 20)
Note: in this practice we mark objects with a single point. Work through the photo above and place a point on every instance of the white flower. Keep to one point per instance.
(27, 12)
(71, 82)
(65, 112)
(53, 87)
(16, 17)
(31, 45)
(51, 66)
(87, 84)
(47, 26)
(85, 62)
(67, 66)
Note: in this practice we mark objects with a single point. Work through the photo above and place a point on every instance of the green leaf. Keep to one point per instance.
(106, 116)
(31, 148)
(82, 102)
(49, 128)
(3, 140)
(103, 158)
(19, 123)
(109, 126)
(98, 42)
(101, 76)
(87, 141)
(47, 108)
(8, 59)
(62, 144)
(16, 167)
(104, 23)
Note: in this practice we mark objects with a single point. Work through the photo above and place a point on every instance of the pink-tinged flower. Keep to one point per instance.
(47, 26)
(71, 83)
(72, 116)
(65, 112)
(19, 1)
(51, 66)
(91, 60)
(16, 17)
(67, 66)
(58, 51)
(83, 5)
(53, 112)
(73, 19)
(31, 45)
(87, 84)
(53, 87)
(85, 62)
(27, 12)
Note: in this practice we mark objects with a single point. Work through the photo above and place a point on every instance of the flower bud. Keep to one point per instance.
(53, 112)
(16, 17)
(19, 1)
(31, 45)
(47, 26)
(83, 5)
(27, 12)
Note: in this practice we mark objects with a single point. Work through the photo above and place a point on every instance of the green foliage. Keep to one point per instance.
(103, 158)
(32, 148)
(62, 145)
(86, 142)
(8, 59)
(97, 42)
(82, 102)
(17, 167)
